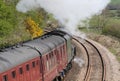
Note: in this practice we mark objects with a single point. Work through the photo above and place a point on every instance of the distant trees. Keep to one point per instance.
(112, 27)
(113, 7)
(98, 22)
(108, 22)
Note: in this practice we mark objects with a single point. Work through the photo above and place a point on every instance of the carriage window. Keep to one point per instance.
(5, 78)
(33, 64)
(55, 56)
(50, 60)
(27, 67)
(47, 63)
(21, 71)
(13, 74)
(57, 52)
(37, 62)
(43, 62)
(64, 50)
(61, 52)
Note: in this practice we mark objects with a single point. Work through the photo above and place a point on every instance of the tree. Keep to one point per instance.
(8, 20)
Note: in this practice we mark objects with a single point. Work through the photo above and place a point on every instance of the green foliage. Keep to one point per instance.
(12, 22)
(112, 27)
(5, 28)
(108, 25)
(98, 21)
(108, 22)
(90, 30)
(7, 19)
(113, 50)
(114, 2)
(118, 58)
(36, 16)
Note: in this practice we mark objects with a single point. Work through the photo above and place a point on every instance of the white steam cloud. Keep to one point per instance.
(69, 12)
(79, 61)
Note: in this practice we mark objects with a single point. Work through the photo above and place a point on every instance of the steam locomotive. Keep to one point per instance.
(45, 58)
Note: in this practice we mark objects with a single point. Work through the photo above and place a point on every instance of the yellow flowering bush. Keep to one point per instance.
(33, 28)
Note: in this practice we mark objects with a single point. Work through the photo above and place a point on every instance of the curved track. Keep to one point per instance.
(96, 70)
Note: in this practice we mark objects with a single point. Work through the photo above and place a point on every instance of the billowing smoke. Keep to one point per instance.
(79, 61)
(70, 13)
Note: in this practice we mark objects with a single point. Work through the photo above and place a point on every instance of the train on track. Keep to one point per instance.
(46, 58)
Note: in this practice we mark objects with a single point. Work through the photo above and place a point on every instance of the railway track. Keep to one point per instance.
(96, 68)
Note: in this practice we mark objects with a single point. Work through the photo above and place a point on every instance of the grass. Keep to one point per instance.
(113, 50)
(118, 59)
(90, 30)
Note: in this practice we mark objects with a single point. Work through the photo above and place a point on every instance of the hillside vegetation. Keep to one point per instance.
(114, 2)
(13, 23)
(106, 25)
(108, 22)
